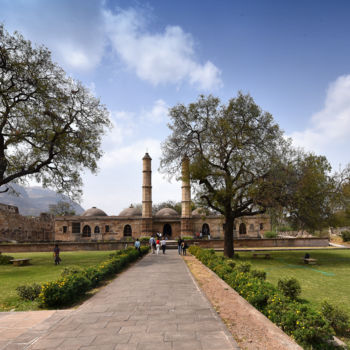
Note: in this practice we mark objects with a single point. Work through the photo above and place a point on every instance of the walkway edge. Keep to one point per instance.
(251, 329)
(229, 335)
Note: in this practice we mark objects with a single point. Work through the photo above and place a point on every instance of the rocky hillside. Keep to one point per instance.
(35, 200)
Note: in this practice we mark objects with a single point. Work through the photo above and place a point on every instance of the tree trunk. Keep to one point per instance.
(228, 238)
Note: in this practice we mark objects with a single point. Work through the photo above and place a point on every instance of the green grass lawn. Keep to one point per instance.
(329, 279)
(42, 269)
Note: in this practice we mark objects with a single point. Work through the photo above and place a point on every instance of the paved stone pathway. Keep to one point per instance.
(153, 305)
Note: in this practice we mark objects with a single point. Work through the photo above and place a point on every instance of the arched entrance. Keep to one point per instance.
(127, 231)
(242, 229)
(86, 231)
(205, 230)
(167, 230)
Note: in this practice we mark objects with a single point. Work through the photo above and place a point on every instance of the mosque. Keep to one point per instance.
(95, 225)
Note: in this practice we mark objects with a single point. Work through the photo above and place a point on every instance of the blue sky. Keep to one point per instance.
(141, 58)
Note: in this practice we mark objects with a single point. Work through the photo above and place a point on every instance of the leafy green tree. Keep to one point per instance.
(50, 125)
(313, 192)
(167, 204)
(62, 208)
(235, 150)
(341, 215)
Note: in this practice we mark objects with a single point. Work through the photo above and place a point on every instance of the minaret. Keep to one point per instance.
(186, 227)
(146, 195)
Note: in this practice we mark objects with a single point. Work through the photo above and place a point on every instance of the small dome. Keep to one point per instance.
(199, 212)
(94, 212)
(167, 212)
(131, 212)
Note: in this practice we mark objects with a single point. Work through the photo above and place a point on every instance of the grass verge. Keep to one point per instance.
(42, 269)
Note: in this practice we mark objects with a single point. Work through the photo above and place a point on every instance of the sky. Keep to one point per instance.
(143, 57)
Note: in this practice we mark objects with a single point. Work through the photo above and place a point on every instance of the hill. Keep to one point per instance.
(35, 200)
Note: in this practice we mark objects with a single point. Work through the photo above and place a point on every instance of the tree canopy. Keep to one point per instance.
(234, 150)
(313, 192)
(62, 208)
(50, 125)
(242, 165)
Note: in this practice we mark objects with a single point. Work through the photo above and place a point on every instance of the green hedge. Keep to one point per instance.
(75, 282)
(5, 259)
(308, 327)
(346, 236)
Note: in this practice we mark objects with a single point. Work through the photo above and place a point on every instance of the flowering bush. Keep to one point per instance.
(337, 317)
(290, 287)
(75, 282)
(308, 327)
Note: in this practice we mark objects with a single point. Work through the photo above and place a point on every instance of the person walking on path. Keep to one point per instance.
(56, 254)
(179, 243)
(137, 244)
(157, 245)
(152, 243)
(184, 247)
(163, 245)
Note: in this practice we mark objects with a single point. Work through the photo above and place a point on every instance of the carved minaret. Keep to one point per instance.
(147, 195)
(186, 227)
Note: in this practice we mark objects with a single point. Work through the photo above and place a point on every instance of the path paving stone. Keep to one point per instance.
(155, 304)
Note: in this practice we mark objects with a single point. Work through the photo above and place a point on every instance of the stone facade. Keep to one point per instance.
(15, 227)
(95, 225)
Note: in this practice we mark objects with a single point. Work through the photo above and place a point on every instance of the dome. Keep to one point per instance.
(94, 212)
(199, 212)
(131, 212)
(167, 212)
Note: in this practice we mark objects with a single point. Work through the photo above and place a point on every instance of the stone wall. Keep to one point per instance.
(15, 227)
(239, 243)
(264, 243)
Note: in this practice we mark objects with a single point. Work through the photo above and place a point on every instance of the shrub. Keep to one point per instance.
(71, 270)
(29, 292)
(5, 259)
(290, 287)
(284, 229)
(270, 234)
(337, 317)
(187, 237)
(258, 274)
(346, 236)
(64, 291)
(243, 267)
(231, 263)
(144, 239)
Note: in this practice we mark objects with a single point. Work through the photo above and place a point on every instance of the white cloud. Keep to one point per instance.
(330, 127)
(158, 113)
(131, 153)
(159, 58)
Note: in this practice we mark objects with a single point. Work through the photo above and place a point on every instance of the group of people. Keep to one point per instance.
(157, 244)
(181, 246)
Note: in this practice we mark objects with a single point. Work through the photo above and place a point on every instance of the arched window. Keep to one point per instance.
(261, 226)
(205, 230)
(86, 231)
(167, 230)
(242, 229)
(97, 229)
(127, 231)
(251, 227)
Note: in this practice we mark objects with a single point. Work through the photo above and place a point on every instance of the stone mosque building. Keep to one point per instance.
(94, 224)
